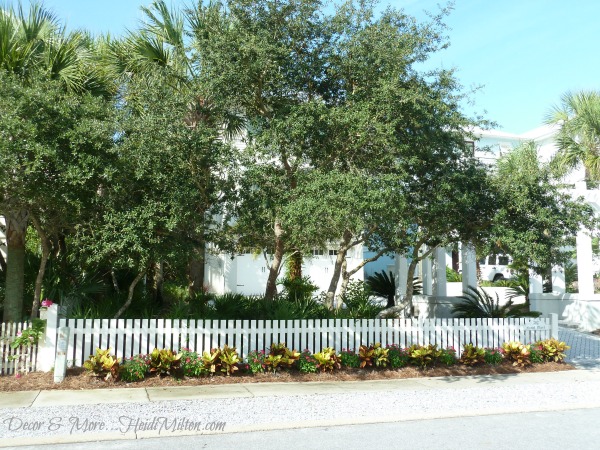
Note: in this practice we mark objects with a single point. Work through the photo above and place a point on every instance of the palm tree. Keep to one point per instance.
(578, 138)
(34, 45)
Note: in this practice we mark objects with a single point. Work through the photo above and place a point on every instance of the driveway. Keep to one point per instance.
(585, 347)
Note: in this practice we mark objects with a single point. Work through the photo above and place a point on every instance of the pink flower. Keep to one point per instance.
(47, 302)
(17, 375)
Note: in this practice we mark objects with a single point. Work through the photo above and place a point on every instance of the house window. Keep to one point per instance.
(318, 252)
(332, 252)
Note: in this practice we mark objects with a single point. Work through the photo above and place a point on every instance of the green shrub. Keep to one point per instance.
(256, 361)
(134, 369)
(478, 303)
(380, 355)
(211, 360)
(307, 363)
(192, 364)
(398, 356)
(447, 356)
(424, 356)
(493, 356)
(349, 359)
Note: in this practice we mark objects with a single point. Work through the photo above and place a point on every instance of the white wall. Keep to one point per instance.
(573, 308)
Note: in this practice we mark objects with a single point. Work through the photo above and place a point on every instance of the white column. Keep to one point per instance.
(536, 285)
(585, 271)
(427, 275)
(469, 266)
(439, 273)
(402, 272)
(558, 280)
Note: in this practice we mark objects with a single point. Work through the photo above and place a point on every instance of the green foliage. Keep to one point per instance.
(229, 360)
(298, 289)
(192, 364)
(165, 362)
(447, 356)
(493, 356)
(349, 358)
(256, 361)
(516, 352)
(424, 356)
(307, 363)
(478, 303)
(452, 276)
(472, 355)
(327, 360)
(134, 369)
(30, 336)
(103, 364)
(552, 349)
(398, 357)
(359, 303)
(288, 357)
(536, 356)
(383, 285)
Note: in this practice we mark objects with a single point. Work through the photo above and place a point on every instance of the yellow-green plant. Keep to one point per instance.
(424, 355)
(472, 355)
(288, 357)
(517, 353)
(272, 362)
(211, 361)
(327, 360)
(229, 360)
(380, 355)
(165, 362)
(103, 364)
(553, 350)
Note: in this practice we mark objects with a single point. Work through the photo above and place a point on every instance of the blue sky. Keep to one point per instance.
(525, 53)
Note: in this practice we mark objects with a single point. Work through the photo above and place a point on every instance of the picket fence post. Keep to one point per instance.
(47, 348)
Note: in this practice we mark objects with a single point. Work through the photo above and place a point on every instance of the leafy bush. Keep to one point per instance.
(553, 350)
(472, 355)
(191, 364)
(288, 357)
(493, 356)
(327, 360)
(366, 354)
(103, 364)
(165, 362)
(398, 356)
(229, 360)
(307, 363)
(349, 358)
(424, 356)
(447, 356)
(478, 303)
(134, 369)
(517, 353)
(256, 361)
(452, 276)
(380, 355)
(536, 356)
(359, 303)
(211, 360)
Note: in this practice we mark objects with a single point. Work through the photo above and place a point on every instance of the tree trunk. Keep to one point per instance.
(271, 290)
(37, 294)
(196, 272)
(337, 269)
(130, 293)
(410, 276)
(295, 267)
(157, 283)
(345, 278)
(16, 230)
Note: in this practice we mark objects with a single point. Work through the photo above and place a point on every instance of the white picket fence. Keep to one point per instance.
(21, 359)
(130, 337)
(127, 338)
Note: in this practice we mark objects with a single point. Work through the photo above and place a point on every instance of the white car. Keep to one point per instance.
(495, 267)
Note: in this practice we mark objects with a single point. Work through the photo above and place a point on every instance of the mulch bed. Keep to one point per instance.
(78, 378)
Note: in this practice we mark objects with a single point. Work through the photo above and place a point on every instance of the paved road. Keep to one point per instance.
(553, 430)
(585, 348)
